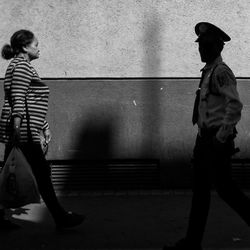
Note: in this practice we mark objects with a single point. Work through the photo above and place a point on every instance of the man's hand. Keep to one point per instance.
(218, 145)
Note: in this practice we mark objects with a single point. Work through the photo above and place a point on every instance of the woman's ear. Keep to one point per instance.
(24, 49)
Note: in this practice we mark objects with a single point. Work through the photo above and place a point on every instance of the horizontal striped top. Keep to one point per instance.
(22, 82)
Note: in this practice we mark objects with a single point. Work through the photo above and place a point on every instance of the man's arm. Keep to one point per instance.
(227, 87)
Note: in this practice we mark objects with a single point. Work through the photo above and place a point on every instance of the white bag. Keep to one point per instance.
(18, 186)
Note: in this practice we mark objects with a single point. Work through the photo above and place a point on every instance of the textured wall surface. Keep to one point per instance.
(132, 38)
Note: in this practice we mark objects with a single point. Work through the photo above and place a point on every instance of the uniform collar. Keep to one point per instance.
(212, 64)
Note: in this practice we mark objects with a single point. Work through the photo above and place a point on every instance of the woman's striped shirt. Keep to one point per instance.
(22, 86)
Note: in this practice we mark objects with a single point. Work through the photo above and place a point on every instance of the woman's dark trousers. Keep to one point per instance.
(41, 171)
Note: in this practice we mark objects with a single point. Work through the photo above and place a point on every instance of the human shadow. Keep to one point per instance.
(93, 149)
(151, 88)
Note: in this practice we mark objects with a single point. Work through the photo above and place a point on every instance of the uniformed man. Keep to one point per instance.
(217, 110)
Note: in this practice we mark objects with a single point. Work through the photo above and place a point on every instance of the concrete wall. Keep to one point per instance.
(132, 38)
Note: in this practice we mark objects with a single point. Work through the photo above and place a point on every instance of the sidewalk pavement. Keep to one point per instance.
(134, 220)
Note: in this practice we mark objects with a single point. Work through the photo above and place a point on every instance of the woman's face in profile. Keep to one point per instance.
(32, 49)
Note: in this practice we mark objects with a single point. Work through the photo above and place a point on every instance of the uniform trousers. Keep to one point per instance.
(41, 170)
(212, 168)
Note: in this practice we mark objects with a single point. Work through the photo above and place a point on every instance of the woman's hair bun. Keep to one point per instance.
(7, 52)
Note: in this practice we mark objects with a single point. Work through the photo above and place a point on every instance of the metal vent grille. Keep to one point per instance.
(82, 175)
(73, 175)
(241, 172)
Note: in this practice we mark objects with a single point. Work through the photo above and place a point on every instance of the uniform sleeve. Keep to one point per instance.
(45, 125)
(19, 87)
(227, 87)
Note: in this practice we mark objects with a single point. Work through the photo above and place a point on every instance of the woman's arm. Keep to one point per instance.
(46, 132)
(19, 87)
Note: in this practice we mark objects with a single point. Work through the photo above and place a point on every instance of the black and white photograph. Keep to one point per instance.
(124, 125)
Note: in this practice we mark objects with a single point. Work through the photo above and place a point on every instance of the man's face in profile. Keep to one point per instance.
(209, 48)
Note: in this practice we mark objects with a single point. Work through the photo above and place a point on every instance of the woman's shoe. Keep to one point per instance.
(69, 220)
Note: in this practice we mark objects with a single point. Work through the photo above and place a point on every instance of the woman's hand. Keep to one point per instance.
(15, 139)
(47, 135)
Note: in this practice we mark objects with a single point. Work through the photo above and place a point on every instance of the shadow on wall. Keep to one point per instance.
(152, 60)
(153, 113)
(95, 138)
(94, 148)
(94, 142)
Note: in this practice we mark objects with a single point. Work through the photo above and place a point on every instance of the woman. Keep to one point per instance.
(23, 121)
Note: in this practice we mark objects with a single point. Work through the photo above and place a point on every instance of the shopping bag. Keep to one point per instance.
(18, 186)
